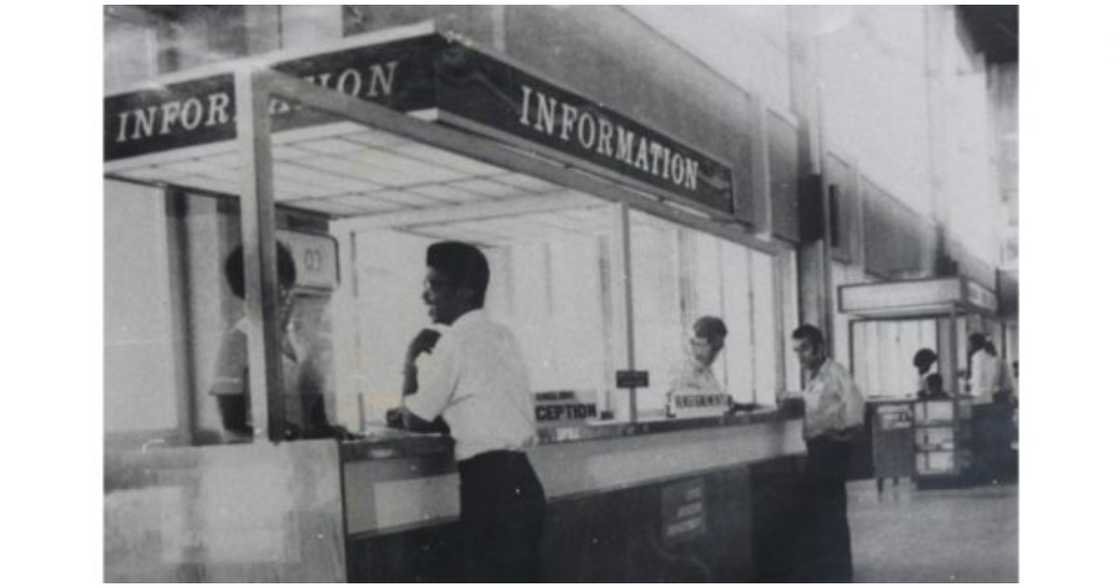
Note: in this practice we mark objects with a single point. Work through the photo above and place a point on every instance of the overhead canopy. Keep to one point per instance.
(181, 130)
(916, 298)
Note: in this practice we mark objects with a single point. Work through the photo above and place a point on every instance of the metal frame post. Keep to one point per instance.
(258, 238)
(626, 275)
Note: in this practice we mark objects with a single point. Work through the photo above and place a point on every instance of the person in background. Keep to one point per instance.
(695, 375)
(983, 369)
(304, 410)
(989, 385)
(475, 377)
(833, 421)
(925, 360)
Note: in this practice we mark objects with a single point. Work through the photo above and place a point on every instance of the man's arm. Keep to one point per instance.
(402, 418)
(428, 384)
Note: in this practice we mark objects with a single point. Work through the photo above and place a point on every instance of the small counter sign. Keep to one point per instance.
(682, 511)
(700, 405)
(316, 258)
(562, 407)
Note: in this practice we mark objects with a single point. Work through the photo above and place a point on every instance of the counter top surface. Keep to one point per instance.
(387, 443)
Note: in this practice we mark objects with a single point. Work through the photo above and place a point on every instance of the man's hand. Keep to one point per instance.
(424, 341)
(401, 418)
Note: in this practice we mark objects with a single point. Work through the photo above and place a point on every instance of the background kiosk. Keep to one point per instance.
(412, 129)
(929, 439)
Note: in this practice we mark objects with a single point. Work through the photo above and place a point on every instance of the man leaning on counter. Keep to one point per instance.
(474, 377)
(833, 420)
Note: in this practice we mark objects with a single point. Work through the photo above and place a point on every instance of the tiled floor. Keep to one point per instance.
(911, 535)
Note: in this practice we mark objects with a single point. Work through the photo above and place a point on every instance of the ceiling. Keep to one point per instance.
(349, 171)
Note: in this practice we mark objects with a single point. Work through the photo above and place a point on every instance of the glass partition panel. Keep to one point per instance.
(883, 354)
(140, 382)
(553, 282)
(680, 275)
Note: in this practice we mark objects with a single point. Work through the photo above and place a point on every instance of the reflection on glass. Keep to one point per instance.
(681, 274)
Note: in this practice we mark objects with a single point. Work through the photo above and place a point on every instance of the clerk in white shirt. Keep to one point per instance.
(990, 386)
(694, 376)
(984, 369)
(473, 375)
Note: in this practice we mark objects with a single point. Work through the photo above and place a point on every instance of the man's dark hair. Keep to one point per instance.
(463, 264)
(810, 333)
(235, 269)
(977, 340)
(924, 357)
(709, 327)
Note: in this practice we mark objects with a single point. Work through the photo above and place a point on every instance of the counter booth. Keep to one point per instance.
(920, 426)
(606, 238)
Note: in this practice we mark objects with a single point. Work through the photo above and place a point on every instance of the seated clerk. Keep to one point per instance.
(305, 415)
(475, 377)
(930, 384)
(694, 375)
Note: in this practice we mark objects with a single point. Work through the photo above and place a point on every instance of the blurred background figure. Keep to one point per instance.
(929, 382)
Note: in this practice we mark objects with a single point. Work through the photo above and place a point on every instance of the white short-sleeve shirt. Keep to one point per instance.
(476, 378)
(832, 401)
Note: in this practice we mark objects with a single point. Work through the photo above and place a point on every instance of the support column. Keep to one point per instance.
(258, 237)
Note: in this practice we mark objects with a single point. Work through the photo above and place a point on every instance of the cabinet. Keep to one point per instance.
(892, 439)
(942, 438)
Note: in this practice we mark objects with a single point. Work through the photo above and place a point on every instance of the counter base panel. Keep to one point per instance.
(626, 534)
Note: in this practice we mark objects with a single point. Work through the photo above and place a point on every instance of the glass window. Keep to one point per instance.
(553, 281)
(139, 356)
(680, 275)
(883, 355)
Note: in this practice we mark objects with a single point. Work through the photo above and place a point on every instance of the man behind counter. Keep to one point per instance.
(304, 411)
(694, 376)
(474, 377)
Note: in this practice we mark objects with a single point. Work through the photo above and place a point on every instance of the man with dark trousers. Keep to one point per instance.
(833, 420)
(473, 375)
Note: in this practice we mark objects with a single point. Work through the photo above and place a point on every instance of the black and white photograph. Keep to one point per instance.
(560, 293)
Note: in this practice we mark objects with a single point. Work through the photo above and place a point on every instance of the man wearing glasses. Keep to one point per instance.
(833, 420)
(694, 378)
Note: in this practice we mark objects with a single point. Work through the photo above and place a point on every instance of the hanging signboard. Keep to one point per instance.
(502, 98)
(465, 87)
(397, 74)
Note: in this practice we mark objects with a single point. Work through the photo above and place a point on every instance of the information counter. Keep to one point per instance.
(647, 501)
(700, 499)
(601, 252)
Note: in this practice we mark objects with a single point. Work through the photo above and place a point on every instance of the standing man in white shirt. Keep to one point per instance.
(991, 389)
(474, 377)
(983, 370)
(833, 420)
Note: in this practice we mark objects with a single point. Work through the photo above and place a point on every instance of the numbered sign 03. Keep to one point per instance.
(316, 258)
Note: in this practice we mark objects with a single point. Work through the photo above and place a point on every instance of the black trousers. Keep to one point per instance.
(991, 440)
(502, 509)
(825, 553)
